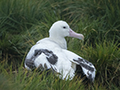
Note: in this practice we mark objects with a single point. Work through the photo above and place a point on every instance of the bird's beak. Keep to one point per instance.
(75, 35)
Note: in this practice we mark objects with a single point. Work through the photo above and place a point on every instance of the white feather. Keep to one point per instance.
(66, 64)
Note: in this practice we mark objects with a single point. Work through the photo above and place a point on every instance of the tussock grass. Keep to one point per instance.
(104, 58)
(29, 80)
(23, 22)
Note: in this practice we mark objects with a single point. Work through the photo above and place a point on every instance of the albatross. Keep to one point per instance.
(52, 53)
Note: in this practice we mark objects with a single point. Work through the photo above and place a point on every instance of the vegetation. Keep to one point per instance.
(23, 22)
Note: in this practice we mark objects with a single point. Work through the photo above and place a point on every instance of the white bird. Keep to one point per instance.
(52, 53)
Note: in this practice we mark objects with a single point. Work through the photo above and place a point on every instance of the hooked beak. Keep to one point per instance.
(75, 35)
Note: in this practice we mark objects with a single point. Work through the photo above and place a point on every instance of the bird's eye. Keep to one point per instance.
(64, 27)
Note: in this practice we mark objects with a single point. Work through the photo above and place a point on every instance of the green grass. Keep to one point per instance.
(23, 79)
(24, 22)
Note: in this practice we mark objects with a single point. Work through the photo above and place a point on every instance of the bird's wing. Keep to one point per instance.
(87, 67)
(42, 59)
(41, 55)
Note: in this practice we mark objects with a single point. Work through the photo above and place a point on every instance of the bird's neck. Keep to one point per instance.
(60, 41)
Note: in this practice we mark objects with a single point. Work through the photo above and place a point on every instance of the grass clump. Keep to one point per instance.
(27, 80)
(106, 58)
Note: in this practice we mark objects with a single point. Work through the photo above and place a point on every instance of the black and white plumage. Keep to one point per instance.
(52, 53)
